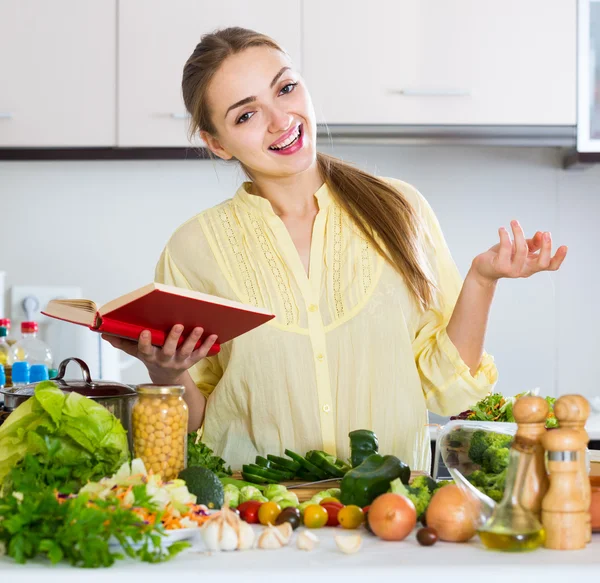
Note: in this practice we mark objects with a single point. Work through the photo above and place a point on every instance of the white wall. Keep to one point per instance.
(102, 225)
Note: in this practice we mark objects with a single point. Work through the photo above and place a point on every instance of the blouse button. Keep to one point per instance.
(326, 408)
(319, 357)
(313, 308)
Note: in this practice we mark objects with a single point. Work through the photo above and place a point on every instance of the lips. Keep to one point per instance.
(287, 139)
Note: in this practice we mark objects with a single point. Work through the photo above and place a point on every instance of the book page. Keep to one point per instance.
(77, 311)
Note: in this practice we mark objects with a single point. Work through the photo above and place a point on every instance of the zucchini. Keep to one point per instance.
(262, 462)
(290, 465)
(266, 472)
(257, 479)
(283, 469)
(310, 467)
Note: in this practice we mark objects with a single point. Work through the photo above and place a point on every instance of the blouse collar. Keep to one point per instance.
(263, 206)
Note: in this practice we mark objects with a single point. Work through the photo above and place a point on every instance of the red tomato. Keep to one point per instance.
(366, 509)
(249, 511)
(332, 513)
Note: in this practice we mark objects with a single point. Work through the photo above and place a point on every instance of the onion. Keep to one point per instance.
(392, 516)
(452, 515)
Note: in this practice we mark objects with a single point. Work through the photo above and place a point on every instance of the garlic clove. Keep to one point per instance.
(307, 540)
(274, 537)
(348, 544)
(286, 531)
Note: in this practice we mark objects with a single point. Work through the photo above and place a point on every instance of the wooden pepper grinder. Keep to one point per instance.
(563, 508)
(530, 414)
(572, 412)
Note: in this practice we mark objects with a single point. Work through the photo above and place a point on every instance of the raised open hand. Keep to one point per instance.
(520, 257)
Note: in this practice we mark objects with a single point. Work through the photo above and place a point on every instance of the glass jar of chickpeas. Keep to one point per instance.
(160, 421)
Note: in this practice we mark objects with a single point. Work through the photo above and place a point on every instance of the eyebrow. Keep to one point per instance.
(253, 97)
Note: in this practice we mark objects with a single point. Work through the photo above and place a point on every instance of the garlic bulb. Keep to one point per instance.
(275, 537)
(226, 531)
(348, 544)
(307, 540)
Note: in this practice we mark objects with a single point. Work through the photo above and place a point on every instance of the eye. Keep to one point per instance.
(288, 88)
(244, 117)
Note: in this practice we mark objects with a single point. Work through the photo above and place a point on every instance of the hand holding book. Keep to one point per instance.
(166, 364)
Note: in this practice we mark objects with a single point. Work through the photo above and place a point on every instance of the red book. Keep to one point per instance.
(158, 307)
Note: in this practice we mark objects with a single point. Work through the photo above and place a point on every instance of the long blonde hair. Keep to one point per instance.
(386, 219)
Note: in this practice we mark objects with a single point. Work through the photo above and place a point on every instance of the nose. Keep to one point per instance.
(280, 120)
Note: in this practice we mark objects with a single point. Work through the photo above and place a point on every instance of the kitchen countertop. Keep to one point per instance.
(376, 561)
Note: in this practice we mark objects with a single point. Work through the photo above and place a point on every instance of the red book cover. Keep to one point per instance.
(158, 307)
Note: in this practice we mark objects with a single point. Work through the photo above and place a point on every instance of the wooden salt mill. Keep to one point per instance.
(572, 412)
(530, 414)
(563, 508)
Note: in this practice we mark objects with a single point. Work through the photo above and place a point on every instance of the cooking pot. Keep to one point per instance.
(117, 398)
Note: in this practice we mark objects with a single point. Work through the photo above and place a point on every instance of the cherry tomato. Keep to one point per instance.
(268, 513)
(351, 516)
(315, 516)
(291, 515)
(249, 511)
(332, 511)
(330, 500)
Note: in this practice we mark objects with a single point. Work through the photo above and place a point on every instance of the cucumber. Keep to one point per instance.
(262, 462)
(266, 472)
(257, 479)
(283, 469)
(290, 465)
(306, 476)
(310, 467)
(333, 470)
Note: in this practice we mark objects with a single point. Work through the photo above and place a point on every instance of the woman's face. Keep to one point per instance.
(262, 113)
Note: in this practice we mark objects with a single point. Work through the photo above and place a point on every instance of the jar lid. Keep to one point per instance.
(160, 389)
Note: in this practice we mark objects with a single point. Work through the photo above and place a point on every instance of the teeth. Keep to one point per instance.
(289, 141)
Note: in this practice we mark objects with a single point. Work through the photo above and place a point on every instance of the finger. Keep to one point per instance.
(170, 346)
(128, 346)
(505, 250)
(189, 345)
(535, 242)
(204, 348)
(543, 261)
(558, 258)
(520, 245)
(144, 344)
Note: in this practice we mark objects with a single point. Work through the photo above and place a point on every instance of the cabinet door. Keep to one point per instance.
(57, 73)
(441, 62)
(155, 40)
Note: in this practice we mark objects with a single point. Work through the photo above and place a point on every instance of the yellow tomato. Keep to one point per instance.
(329, 499)
(351, 516)
(268, 512)
(315, 516)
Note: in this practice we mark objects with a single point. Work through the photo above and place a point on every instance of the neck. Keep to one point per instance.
(290, 196)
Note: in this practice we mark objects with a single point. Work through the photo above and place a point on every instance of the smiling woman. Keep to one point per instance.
(373, 326)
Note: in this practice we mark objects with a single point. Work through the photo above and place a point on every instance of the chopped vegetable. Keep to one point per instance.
(328, 463)
(419, 492)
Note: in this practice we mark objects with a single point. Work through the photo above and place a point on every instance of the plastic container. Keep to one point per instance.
(7, 324)
(159, 423)
(31, 348)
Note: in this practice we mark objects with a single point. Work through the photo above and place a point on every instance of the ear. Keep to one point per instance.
(215, 146)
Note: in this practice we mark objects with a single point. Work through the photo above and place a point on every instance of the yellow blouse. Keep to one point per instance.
(348, 349)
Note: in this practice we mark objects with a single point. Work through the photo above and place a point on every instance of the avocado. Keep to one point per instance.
(205, 485)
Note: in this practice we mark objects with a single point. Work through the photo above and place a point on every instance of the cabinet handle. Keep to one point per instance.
(432, 92)
(180, 115)
(6, 115)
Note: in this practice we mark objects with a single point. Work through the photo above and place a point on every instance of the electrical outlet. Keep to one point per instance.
(40, 296)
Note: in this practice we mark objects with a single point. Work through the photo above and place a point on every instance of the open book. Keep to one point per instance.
(158, 307)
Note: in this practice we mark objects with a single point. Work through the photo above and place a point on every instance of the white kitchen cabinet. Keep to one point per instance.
(57, 73)
(437, 62)
(155, 40)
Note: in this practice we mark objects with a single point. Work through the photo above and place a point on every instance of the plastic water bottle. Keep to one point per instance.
(20, 374)
(30, 348)
(6, 323)
(38, 373)
(4, 347)
(2, 380)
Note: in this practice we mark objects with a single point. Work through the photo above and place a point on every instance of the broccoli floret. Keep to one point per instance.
(424, 482)
(482, 440)
(443, 483)
(495, 460)
(478, 478)
(491, 485)
(419, 495)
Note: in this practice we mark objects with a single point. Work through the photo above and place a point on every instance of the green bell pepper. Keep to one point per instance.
(363, 443)
(361, 485)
